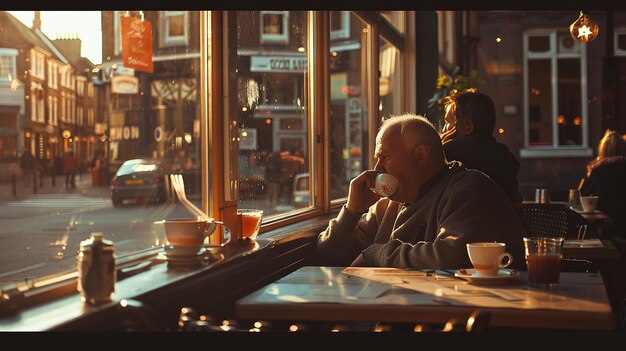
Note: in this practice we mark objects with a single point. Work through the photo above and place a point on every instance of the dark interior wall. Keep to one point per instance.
(426, 58)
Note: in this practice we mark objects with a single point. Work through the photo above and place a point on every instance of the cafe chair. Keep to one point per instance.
(556, 220)
(551, 220)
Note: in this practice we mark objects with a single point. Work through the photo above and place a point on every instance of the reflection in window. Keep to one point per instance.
(273, 26)
(395, 18)
(158, 120)
(348, 121)
(390, 84)
(174, 28)
(271, 106)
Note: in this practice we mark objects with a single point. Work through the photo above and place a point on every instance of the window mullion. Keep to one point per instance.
(555, 94)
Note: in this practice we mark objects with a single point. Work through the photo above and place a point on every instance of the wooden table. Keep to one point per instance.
(590, 249)
(314, 293)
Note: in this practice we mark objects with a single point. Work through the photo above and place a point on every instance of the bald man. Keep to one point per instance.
(438, 208)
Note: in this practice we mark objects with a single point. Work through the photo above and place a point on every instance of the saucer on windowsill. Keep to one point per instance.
(202, 257)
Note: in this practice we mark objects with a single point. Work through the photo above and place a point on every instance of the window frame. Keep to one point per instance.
(11, 55)
(270, 38)
(616, 50)
(553, 55)
(344, 31)
(165, 39)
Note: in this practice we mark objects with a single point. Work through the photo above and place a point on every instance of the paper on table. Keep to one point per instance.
(383, 274)
(369, 291)
(582, 243)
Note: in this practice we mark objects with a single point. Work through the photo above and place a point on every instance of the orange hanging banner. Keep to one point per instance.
(136, 43)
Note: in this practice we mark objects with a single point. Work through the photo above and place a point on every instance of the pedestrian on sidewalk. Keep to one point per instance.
(27, 165)
(69, 168)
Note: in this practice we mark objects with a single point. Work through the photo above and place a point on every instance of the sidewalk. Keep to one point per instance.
(83, 187)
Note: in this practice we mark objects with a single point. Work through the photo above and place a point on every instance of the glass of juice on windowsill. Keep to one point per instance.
(250, 220)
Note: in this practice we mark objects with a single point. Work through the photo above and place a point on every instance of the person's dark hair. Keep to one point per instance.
(471, 105)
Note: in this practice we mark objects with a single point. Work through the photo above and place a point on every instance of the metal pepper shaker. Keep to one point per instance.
(96, 269)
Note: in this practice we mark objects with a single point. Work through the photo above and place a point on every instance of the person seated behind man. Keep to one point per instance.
(438, 208)
(606, 178)
(467, 137)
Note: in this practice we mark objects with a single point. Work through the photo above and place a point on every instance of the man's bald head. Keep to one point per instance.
(415, 130)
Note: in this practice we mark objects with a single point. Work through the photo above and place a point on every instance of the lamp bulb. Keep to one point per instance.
(584, 29)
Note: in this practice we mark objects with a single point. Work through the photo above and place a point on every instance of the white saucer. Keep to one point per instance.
(183, 251)
(588, 212)
(185, 260)
(471, 275)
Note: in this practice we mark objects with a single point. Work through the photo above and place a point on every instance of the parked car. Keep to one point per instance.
(139, 179)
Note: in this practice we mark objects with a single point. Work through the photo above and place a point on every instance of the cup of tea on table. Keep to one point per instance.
(488, 257)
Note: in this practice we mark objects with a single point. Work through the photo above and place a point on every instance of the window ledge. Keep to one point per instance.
(66, 311)
(556, 152)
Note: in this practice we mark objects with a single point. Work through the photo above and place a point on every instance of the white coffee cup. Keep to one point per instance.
(386, 185)
(589, 203)
(488, 257)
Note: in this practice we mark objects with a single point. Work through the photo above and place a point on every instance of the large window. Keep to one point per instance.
(350, 119)
(555, 95)
(271, 108)
(293, 124)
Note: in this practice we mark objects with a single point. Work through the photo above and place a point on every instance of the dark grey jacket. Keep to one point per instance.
(484, 153)
(457, 207)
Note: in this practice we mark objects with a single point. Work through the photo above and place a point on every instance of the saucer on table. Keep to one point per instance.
(471, 275)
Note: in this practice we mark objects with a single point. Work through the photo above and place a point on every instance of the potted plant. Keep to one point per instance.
(447, 85)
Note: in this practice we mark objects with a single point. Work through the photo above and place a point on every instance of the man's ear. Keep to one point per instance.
(422, 154)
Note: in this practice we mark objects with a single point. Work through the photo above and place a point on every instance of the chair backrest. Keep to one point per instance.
(550, 220)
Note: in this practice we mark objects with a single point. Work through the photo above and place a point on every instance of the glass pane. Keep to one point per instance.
(391, 82)
(271, 99)
(621, 41)
(539, 103)
(567, 44)
(62, 196)
(176, 25)
(395, 18)
(539, 43)
(349, 149)
(569, 116)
